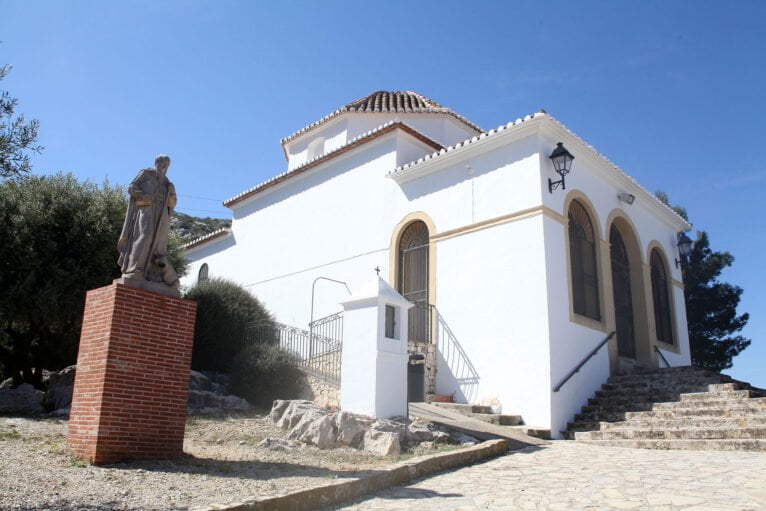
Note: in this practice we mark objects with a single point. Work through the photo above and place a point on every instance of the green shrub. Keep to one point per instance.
(264, 372)
(224, 311)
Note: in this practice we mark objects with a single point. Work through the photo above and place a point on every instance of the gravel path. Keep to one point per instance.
(223, 464)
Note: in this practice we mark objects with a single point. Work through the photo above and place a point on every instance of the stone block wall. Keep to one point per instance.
(321, 392)
(132, 379)
(429, 350)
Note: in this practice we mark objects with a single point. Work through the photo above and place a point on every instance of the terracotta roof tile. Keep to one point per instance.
(219, 233)
(405, 102)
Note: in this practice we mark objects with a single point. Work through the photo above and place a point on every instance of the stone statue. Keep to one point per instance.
(143, 243)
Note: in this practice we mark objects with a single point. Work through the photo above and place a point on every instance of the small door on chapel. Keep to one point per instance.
(623, 299)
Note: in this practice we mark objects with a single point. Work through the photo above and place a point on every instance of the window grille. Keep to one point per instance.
(413, 279)
(203, 271)
(583, 262)
(390, 322)
(661, 298)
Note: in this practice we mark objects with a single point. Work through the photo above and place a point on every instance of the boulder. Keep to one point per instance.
(315, 429)
(351, 428)
(23, 399)
(278, 409)
(440, 437)
(382, 443)
(295, 411)
(419, 431)
(278, 444)
(390, 426)
(209, 402)
(58, 396)
(458, 437)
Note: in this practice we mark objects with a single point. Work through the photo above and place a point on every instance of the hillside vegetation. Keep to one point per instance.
(189, 227)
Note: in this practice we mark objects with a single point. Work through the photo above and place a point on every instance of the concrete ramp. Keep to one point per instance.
(474, 427)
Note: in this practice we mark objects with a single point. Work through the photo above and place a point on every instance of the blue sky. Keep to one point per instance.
(671, 91)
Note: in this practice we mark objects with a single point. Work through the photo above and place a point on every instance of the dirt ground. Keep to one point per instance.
(222, 463)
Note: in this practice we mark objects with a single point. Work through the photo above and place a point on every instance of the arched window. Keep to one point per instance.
(661, 298)
(582, 257)
(203, 270)
(413, 278)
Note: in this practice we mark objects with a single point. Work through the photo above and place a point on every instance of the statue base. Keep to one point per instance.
(157, 287)
(132, 381)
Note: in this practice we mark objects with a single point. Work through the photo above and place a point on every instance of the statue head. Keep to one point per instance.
(161, 163)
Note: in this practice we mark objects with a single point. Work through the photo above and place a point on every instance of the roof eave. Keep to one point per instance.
(356, 142)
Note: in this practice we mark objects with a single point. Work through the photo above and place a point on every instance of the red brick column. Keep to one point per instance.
(132, 379)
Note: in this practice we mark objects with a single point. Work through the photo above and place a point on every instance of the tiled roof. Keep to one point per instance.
(224, 231)
(363, 138)
(518, 122)
(404, 102)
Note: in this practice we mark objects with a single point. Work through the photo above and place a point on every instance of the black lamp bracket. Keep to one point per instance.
(552, 185)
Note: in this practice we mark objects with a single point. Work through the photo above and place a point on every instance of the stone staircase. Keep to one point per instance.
(674, 408)
(484, 413)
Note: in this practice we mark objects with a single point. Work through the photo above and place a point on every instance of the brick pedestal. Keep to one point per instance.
(132, 378)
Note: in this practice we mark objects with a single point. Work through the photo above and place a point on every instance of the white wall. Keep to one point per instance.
(502, 288)
(570, 341)
(335, 134)
(441, 128)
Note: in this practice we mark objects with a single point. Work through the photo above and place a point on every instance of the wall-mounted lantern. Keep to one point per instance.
(562, 163)
(626, 197)
(684, 248)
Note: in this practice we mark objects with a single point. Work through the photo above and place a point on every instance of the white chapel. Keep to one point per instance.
(521, 248)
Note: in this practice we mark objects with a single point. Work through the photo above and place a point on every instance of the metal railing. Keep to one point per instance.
(459, 368)
(583, 361)
(659, 352)
(318, 353)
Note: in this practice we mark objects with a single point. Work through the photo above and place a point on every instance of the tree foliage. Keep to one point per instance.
(224, 310)
(711, 308)
(58, 240)
(264, 372)
(17, 136)
(711, 305)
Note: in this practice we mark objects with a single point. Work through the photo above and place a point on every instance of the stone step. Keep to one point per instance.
(465, 409)
(500, 419)
(542, 433)
(729, 395)
(693, 445)
(733, 411)
(600, 417)
(707, 402)
(683, 378)
(650, 390)
(627, 433)
(747, 421)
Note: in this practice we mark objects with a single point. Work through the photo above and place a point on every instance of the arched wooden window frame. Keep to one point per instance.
(661, 299)
(583, 246)
(203, 274)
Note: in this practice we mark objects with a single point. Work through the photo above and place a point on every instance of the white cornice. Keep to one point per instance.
(487, 140)
(539, 122)
(613, 173)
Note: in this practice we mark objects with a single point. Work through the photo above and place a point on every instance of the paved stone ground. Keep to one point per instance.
(571, 476)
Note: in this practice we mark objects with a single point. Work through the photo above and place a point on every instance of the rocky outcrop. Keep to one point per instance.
(23, 399)
(208, 395)
(58, 396)
(310, 424)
